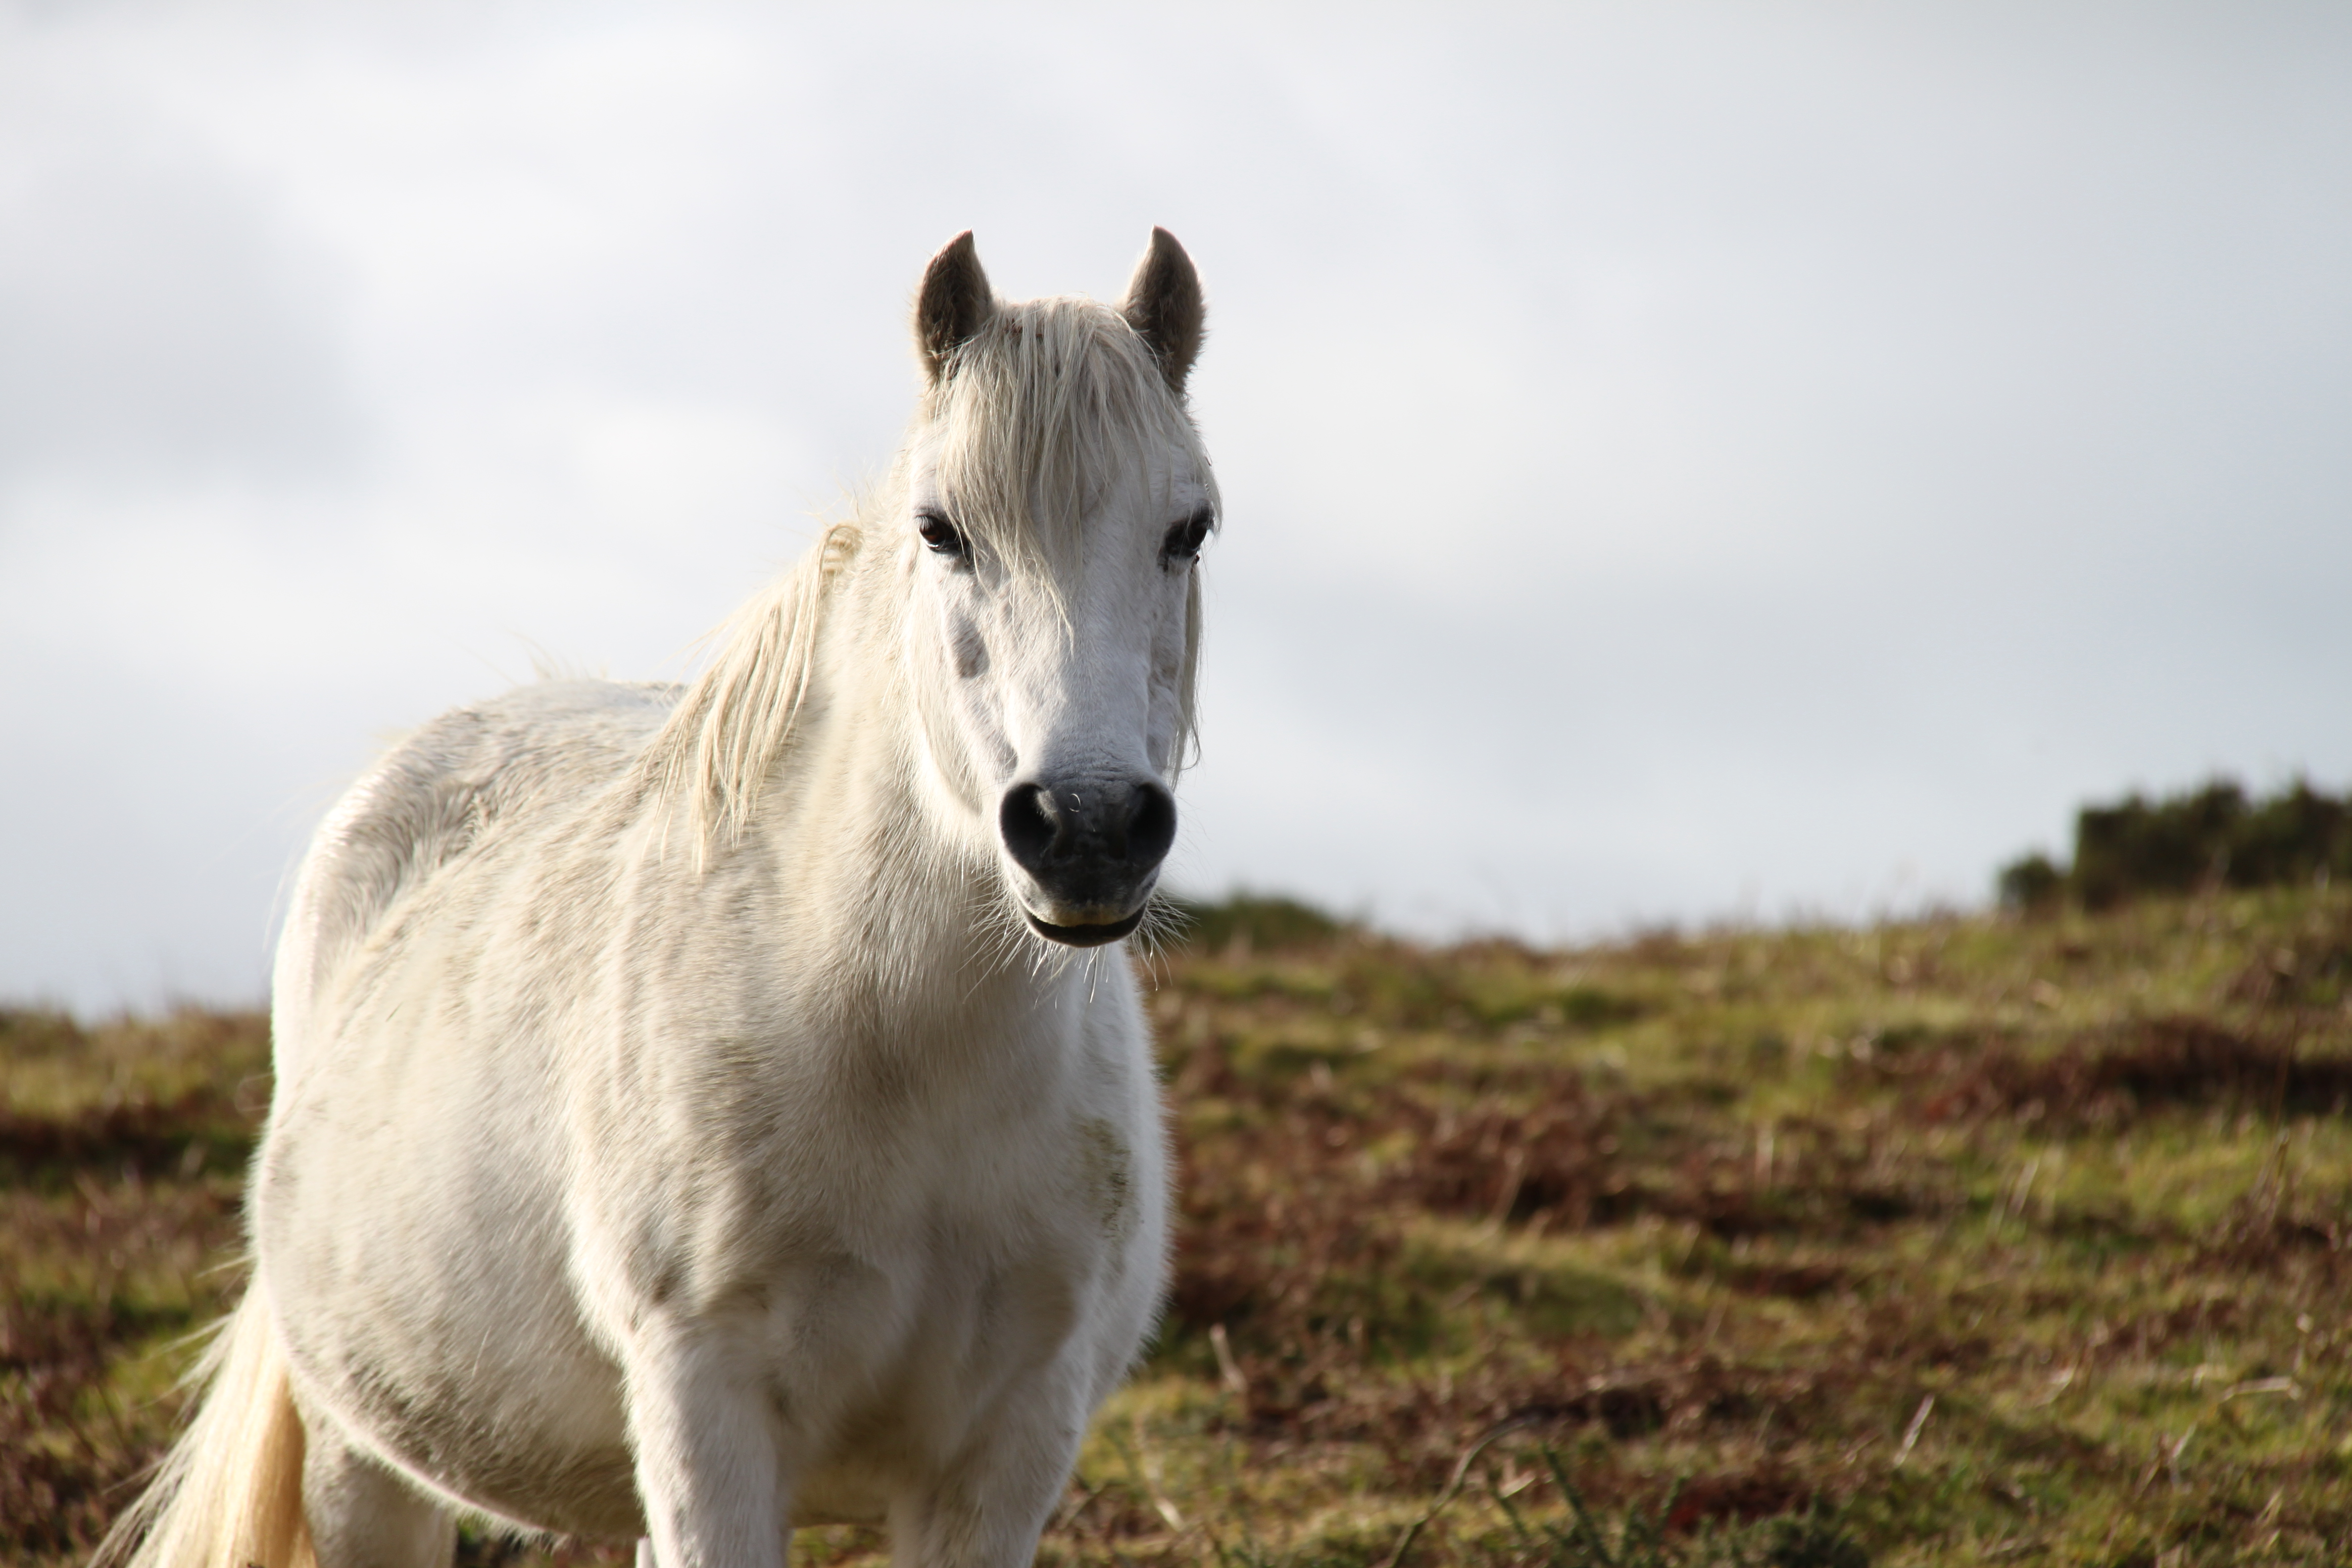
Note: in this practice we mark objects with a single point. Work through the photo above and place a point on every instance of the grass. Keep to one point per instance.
(1959, 1241)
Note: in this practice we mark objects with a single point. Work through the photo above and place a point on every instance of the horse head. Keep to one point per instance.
(1057, 499)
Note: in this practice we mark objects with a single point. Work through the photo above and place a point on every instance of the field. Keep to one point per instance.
(1969, 1241)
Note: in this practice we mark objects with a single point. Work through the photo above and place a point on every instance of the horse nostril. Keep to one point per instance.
(1151, 826)
(1088, 842)
(1029, 823)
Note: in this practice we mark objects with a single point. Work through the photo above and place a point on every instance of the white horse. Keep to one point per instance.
(696, 1111)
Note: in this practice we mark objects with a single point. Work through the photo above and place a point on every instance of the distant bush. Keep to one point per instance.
(2213, 836)
(26, 1033)
(1261, 922)
(2034, 882)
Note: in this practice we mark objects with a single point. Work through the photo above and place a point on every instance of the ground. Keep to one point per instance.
(1963, 1240)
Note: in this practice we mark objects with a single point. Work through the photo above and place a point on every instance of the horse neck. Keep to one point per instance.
(904, 907)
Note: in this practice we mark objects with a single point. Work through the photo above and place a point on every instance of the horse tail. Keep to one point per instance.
(229, 1493)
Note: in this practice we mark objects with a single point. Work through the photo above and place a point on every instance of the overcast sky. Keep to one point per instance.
(1682, 462)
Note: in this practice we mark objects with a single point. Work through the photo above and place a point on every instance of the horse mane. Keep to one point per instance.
(1038, 411)
(717, 745)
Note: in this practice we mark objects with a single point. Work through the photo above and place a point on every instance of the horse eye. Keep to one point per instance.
(937, 532)
(1184, 541)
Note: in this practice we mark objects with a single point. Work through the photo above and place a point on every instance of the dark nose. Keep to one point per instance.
(1090, 845)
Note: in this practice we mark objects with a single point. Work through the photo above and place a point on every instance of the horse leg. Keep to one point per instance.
(709, 1469)
(362, 1515)
(987, 1508)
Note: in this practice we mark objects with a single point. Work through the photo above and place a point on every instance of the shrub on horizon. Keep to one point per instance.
(2212, 836)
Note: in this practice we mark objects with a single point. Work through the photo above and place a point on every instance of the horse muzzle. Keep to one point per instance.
(1088, 854)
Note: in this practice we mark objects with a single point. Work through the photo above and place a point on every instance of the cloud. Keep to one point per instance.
(160, 325)
(1679, 458)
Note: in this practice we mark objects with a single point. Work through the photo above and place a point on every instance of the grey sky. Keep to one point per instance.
(1681, 460)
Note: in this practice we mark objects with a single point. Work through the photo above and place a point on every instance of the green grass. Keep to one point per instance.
(1959, 1241)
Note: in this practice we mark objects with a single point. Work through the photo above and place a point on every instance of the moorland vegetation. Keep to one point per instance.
(2020, 1236)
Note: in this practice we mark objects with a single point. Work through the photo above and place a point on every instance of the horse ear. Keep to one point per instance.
(1163, 305)
(953, 303)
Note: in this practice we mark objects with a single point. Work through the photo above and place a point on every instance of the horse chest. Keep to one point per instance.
(939, 1209)
(891, 1282)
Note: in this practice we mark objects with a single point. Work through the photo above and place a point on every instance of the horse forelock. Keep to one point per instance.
(1038, 415)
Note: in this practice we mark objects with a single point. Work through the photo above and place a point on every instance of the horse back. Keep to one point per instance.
(447, 786)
